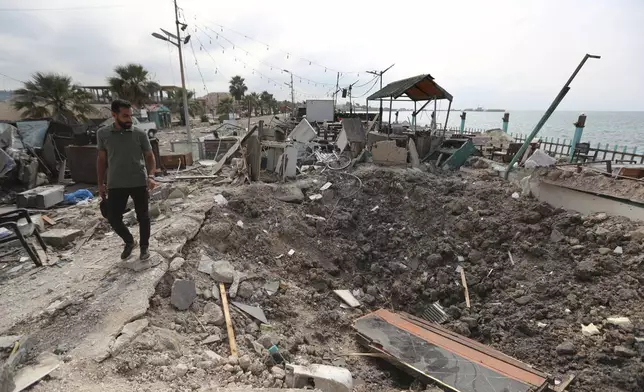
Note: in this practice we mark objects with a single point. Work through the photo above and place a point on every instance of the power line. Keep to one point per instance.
(198, 67)
(63, 8)
(269, 65)
(288, 53)
(367, 92)
(9, 77)
(246, 65)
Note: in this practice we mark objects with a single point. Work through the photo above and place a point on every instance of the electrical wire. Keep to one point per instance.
(9, 77)
(288, 53)
(367, 92)
(198, 67)
(90, 7)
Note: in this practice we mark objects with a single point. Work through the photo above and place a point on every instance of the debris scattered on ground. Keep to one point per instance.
(184, 293)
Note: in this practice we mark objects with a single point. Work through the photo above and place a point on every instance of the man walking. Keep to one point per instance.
(121, 152)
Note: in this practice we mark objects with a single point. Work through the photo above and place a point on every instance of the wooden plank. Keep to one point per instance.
(467, 292)
(48, 220)
(229, 324)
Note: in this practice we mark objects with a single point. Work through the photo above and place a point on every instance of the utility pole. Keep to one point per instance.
(335, 94)
(292, 92)
(379, 74)
(183, 79)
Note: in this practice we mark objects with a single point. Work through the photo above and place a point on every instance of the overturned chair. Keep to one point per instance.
(11, 231)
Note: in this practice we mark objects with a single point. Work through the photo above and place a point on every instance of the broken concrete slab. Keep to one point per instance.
(212, 339)
(413, 154)
(617, 321)
(9, 341)
(176, 264)
(206, 265)
(388, 153)
(347, 297)
(272, 287)
(213, 314)
(30, 375)
(60, 237)
(42, 197)
(254, 311)
(183, 294)
(324, 377)
(223, 271)
(129, 332)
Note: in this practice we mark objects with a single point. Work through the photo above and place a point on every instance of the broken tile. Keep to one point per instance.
(347, 297)
(254, 311)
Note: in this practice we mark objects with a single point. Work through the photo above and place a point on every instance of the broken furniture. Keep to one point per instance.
(11, 232)
(452, 153)
(352, 136)
(582, 151)
(506, 155)
(176, 160)
(434, 354)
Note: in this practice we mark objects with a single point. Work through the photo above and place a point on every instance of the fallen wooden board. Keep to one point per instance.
(229, 324)
(434, 354)
(48, 220)
(29, 375)
(467, 292)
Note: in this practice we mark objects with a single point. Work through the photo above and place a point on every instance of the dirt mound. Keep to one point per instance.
(396, 237)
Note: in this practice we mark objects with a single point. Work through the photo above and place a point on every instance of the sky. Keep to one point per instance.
(514, 55)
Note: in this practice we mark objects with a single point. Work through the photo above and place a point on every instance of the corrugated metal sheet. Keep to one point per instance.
(417, 88)
(434, 353)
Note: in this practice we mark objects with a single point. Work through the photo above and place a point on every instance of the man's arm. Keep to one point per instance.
(101, 165)
(101, 169)
(150, 162)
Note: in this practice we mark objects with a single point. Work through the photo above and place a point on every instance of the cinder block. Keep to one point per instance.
(60, 237)
(42, 197)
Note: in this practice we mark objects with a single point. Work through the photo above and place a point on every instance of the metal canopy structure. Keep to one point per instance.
(415, 89)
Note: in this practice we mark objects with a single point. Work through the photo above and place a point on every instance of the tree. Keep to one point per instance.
(53, 95)
(132, 82)
(252, 100)
(237, 87)
(265, 99)
(174, 102)
(225, 106)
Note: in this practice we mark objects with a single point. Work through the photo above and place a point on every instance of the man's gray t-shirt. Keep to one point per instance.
(125, 163)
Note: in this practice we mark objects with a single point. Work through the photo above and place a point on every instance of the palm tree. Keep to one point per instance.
(53, 95)
(132, 82)
(237, 87)
(266, 99)
(174, 102)
(255, 103)
(251, 101)
(225, 106)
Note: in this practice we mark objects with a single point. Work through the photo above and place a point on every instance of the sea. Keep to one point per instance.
(606, 128)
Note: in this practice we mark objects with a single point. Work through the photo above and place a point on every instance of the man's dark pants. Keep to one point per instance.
(117, 203)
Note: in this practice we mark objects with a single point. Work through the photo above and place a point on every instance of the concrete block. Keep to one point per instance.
(183, 294)
(60, 237)
(42, 197)
(387, 153)
(326, 378)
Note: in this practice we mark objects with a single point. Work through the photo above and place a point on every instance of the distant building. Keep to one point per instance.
(5, 95)
(211, 101)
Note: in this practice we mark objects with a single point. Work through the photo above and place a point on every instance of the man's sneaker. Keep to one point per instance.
(127, 250)
(145, 254)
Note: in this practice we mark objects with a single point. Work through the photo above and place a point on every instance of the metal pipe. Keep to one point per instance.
(547, 115)
(579, 130)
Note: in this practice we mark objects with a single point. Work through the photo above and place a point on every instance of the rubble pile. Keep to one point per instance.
(554, 289)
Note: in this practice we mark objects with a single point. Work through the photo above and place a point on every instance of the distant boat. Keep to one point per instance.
(481, 109)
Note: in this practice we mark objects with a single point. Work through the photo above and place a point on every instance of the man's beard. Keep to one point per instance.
(124, 124)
